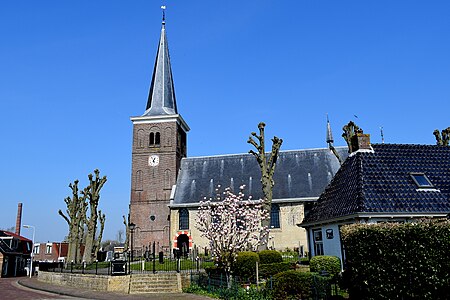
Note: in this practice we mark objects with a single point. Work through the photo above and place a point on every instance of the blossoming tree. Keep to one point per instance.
(231, 224)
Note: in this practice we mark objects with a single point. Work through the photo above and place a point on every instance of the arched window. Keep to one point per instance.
(183, 215)
(167, 177)
(152, 139)
(168, 136)
(138, 184)
(157, 138)
(140, 139)
(275, 216)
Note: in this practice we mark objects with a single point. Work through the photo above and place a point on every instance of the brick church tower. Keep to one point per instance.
(159, 144)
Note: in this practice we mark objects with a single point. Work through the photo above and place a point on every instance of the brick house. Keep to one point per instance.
(50, 252)
(15, 250)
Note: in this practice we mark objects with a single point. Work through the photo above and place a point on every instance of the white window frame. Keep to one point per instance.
(317, 236)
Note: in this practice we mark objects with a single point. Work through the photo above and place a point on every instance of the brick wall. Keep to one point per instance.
(151, 185)
(87, 281)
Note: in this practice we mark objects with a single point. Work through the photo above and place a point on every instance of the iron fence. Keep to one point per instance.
(124, 267)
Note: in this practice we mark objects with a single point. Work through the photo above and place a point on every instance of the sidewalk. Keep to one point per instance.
(33, 283)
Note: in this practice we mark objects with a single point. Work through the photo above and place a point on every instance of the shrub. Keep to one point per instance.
(214, 271)
(398, 261)
(270, 257)
(267, 270)
(331, 264)
(245, 265)
(304, 261)
(299, 285)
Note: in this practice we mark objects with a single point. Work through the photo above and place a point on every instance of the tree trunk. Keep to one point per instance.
(75, 209)
(92, 194)
(267, 165)
(127, 232)
(102, 219)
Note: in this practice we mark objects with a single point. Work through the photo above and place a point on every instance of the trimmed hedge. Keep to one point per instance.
(299, 285)
(398, 261)
(331, 264)
(245, 265)
(270, 257)
(267, 270)
(304, 261)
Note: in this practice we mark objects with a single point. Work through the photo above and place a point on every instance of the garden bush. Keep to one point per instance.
(214, 271)
(270, 257)
(267, 270)
(299, 285)
(398, 261)
(304, 261)
(245, 265)
(330, 264)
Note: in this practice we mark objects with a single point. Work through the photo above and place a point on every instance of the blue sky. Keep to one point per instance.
(73, 72)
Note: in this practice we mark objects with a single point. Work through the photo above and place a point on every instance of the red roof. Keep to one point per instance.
(12, 234)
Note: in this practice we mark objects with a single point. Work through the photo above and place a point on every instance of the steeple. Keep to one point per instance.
(161, 98)
(330, 140)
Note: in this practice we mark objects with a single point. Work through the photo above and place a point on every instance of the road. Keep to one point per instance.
(11, 290)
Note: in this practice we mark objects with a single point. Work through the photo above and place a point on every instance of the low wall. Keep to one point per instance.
(105, 283)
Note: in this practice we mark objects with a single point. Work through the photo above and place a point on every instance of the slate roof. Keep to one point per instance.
(298, 174)
(380, 183)
(161, 97)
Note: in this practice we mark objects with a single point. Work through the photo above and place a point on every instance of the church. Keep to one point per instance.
(167, 186)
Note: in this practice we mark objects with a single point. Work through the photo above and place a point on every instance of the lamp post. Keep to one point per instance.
(131, 226)
(32, 247)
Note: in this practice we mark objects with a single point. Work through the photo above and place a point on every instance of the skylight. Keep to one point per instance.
(421, 180)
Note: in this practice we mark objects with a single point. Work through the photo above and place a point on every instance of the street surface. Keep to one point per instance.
(11, 290)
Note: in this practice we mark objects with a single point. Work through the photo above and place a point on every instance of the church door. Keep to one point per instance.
(183, 244)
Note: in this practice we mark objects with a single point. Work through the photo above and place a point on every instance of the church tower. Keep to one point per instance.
(159, 144)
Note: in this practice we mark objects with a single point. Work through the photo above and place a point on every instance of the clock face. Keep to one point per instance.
(153, 160)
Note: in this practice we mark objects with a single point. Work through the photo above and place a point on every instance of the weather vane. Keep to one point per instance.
(163, 7)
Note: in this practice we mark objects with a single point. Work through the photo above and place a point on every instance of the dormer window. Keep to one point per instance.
(421, 180)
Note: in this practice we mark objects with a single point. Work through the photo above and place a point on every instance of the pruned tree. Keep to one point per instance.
(231, 225)
(76, 208)
(102, 219)
(267, 163)
(349, 131)
(127, 232)
(119, 236)
(92, 196)
(442, 140)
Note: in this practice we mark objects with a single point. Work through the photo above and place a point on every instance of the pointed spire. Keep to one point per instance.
(161, 98)
(330, 140)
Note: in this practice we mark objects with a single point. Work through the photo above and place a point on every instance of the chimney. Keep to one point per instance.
(19, 218)
(360, 141)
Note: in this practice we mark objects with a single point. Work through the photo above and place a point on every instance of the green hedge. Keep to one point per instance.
(398, 261)
(245, 265)
(304, 261)
(299, 285)
(270, 257)
(267, 270)
(330, 264)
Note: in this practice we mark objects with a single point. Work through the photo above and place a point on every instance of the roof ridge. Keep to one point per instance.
(281, 151)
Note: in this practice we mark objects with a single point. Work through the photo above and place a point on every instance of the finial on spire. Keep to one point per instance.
(329, 136)
(163, 7)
